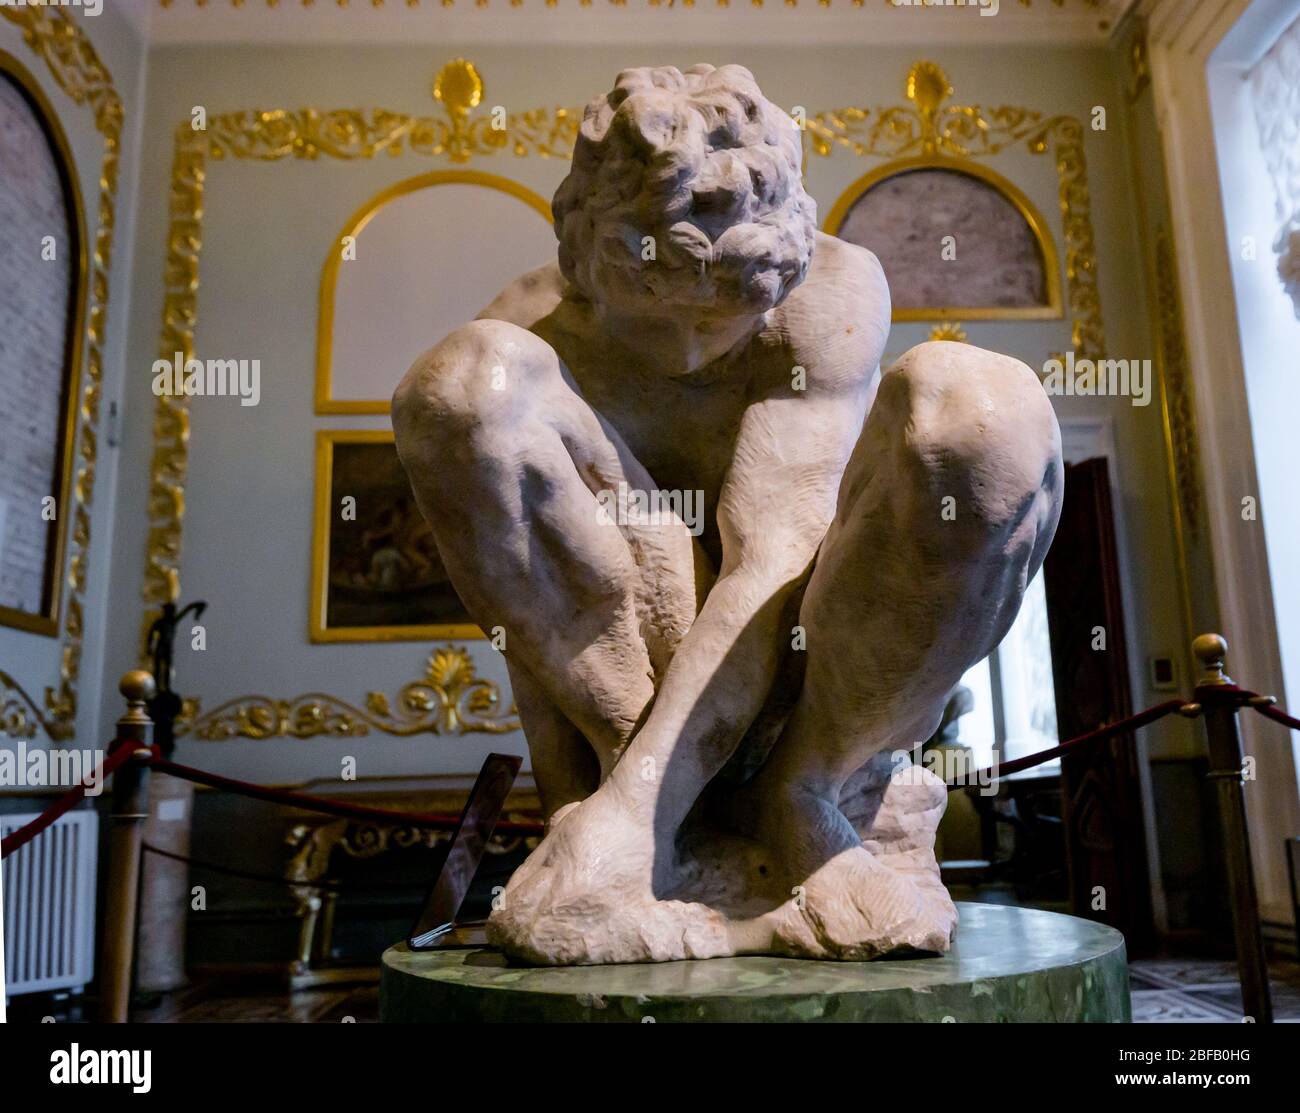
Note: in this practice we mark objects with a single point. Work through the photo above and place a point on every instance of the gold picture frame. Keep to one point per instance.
(328, 573)
(1052, 310)
(47, 622)
(325, 401)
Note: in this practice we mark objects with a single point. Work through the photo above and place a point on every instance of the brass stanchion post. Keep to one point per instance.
(1220, 708)
(125, 839)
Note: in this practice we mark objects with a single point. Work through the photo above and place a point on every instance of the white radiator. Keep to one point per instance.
(49, 904)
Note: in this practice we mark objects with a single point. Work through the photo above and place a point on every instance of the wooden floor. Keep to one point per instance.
(1164, 989)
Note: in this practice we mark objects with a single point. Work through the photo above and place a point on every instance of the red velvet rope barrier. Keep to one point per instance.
(1124, 726)
(1253, 700)
(119, 754)
(116, 757)
(1277, 715)
(333, 807)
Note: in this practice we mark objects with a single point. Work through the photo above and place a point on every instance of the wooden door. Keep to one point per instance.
(1101, 796)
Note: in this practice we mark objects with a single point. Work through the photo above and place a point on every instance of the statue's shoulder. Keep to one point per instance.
(528, 298)
(838, 318)
(847, 279)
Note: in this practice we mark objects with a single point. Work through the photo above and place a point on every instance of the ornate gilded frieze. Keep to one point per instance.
(449, 698)
(58, 39)
(930, 127)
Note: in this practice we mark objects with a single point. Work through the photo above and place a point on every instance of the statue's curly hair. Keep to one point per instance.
(707, 167)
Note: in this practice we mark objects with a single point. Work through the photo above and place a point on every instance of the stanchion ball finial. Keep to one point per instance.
(137, 686)
(1210, 650)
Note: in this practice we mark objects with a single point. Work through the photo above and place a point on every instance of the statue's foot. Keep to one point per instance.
(586, 895)
(859, 893)
(858, 906)
(810, 886)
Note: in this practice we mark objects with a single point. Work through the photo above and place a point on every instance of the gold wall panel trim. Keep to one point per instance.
(1179, 416)
(931, 128)
(326, 403)
(73, 64)
(448, 698)
(1008, 189)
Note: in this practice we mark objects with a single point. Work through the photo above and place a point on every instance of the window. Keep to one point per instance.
(1015, 701)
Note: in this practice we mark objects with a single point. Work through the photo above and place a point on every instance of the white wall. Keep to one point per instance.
(1270, 346)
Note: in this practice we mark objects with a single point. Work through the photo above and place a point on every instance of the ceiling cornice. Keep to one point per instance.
(751, 22)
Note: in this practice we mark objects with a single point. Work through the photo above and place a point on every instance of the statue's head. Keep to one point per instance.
(685, 192)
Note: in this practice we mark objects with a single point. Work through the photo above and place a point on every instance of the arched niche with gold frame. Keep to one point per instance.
(43, 399)
(1046, 306)
(328, 319)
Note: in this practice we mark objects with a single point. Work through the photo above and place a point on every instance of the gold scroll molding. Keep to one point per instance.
(448, 698)
(931, 128)
(1179, 415)
(20, 717)
(272, 136)
(1139, 66)
(326, 403)
(59, 41)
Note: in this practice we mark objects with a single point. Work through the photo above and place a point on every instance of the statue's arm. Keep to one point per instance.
(776, 503)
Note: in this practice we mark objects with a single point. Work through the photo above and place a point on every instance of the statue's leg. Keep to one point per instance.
(945, 513)
(505, 458)
(564, 764)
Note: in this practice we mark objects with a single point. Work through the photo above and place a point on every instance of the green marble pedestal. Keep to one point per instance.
(1007, 964)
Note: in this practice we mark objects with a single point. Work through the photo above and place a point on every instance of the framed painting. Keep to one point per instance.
(376, 573)
(43, 269)
(957, 241)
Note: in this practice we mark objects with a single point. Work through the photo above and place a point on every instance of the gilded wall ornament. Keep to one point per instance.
(948, 330)
(73, 64)
(19, 715)
(448, 698)
(1180, 415)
